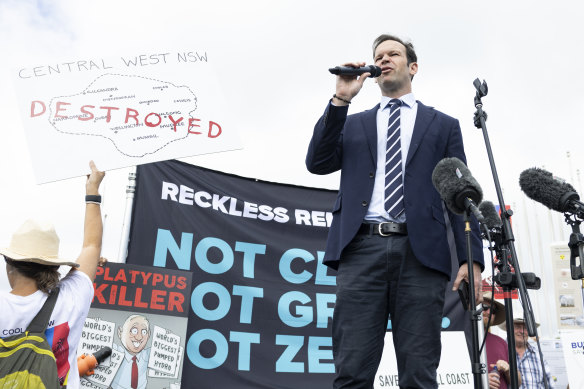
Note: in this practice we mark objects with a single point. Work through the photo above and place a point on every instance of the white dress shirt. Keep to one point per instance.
(123, 378)
(409, 109)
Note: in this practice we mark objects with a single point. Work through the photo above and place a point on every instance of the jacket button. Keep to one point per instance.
(371, 175)
(364, 203)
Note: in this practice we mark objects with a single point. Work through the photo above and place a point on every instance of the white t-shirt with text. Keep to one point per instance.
(65, 325)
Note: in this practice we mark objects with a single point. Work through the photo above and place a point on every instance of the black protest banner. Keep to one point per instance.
(262, 301)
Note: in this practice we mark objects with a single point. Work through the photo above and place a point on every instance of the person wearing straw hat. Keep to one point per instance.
(32, 263)
(528, 359)
(497, 350)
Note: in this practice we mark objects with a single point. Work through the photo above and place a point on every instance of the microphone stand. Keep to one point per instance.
(506, 279)
(483, 354)
(576, 245)
(478, 369)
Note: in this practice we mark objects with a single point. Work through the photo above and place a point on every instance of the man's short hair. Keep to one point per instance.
(410, 52)
(132, 317)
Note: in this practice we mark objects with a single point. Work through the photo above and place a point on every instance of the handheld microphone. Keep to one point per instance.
(553, 192)
(457, 187)
(349, 71)
(87, 363)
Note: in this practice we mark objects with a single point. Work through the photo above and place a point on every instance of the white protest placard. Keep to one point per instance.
(123, 111)
(87, 384)
(104, 374)
(155, 374)
(568, 292)
(454, 371)
(164, 351)
(96, 335)
(553, 353)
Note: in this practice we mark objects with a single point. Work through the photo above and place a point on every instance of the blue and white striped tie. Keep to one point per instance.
(394, 191)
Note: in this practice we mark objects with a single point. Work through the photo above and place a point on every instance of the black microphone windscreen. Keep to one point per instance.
(375, 71)
(492, 219)
(101, 354)
(454, 182)
(541, 186)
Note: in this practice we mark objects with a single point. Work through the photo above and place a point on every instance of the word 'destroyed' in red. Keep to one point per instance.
(152, 119)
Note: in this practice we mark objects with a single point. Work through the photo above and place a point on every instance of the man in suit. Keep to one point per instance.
(388, 238)
(134, 335)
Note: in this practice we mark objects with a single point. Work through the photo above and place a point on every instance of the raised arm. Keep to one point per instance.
(325, 149)
(93, 227)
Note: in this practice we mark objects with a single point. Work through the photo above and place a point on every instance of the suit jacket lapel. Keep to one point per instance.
(424, 117)
(369, 122)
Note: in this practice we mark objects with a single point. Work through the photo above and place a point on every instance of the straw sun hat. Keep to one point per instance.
(499, 316)
(517, 315)
(36, 242)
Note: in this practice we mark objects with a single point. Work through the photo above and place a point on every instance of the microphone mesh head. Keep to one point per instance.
(540, 185)
(454, 183)
(492, 219)
(375, 71)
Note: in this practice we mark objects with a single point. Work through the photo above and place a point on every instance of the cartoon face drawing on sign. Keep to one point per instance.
(134, 335)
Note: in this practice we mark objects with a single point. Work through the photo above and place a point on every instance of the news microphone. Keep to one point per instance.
(350, 71)
(457, 187)
(492, 219)
(553, 192)
(492, 222)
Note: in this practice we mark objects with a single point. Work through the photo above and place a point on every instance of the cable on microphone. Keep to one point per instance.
(350, 71)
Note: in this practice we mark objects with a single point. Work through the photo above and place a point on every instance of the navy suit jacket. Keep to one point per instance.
(349, 143)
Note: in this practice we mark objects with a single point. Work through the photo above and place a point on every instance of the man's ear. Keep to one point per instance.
(413, 68)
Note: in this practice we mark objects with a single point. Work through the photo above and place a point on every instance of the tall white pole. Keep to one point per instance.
(483, 356)
(569, 157)
(125, 238)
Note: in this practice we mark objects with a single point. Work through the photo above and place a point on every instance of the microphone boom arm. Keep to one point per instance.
(508, 240)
